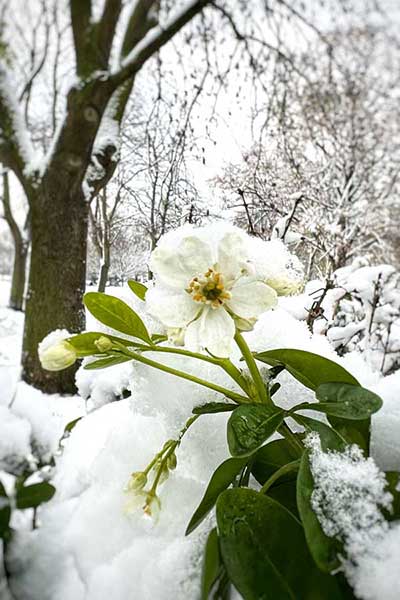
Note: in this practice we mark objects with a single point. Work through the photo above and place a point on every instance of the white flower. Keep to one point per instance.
(55, 353)
(204, 281)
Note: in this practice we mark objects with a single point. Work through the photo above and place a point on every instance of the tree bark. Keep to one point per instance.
(57, 276)
(18, 276)
(20, 250)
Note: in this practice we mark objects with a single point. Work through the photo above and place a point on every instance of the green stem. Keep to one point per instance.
(174, 445)
(292, 466)
(224, 363)
(254, 372)
(291, 438)
(208, 384)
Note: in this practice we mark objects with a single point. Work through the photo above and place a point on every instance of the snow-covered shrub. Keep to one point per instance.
(267, 380)
(367, 317)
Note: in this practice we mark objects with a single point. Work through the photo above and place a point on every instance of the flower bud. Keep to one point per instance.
(103, 344)
(285, 285)
(136, 482)
(152, 506)
(134, 502)
(171, 462)
(244, 324)
(57, 357)
(159, 466)
(176, 335)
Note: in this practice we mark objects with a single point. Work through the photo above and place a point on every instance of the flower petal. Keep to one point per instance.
(251, 298)
(231, 254)
(177, 265)
(195, 256)
(171, 307)
(214, 330)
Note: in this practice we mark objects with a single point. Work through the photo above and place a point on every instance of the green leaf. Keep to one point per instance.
(222, 477)
(213, 407)
(31, 496)
(393, 486)
(272, 457)
(350, 401)
(157, 338)
(250, 425)
(323, 548)
(108, 361)
(330, 439)
(5, 512)
(84, 343)
(310, 369)
(284, 492)
(211, 564)
(69, 426)
(265, 552)
(139, 289)
(354, 431)
(115, 313)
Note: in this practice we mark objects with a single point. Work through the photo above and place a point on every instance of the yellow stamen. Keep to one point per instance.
(209, 289)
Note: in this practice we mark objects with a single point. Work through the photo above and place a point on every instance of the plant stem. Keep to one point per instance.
(291, 438)
(174, 445)
(224, 363)
(208, 384)
(254, 372)
(292, 466)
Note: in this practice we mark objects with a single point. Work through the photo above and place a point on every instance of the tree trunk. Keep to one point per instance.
(103, 272)
(18, 276)
(20, 250)
(105, 260)
(57, 276)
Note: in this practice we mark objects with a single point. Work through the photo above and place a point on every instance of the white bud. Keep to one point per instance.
(152, 507)
(285, 285)
(57, 357)
(136, 482)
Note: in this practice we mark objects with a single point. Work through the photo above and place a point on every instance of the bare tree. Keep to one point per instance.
(20, 236)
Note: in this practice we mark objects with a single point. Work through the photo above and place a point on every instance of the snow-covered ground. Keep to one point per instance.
(86, 546)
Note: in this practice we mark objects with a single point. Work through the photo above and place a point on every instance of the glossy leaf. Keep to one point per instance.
(213, 407)
(222, 477)
(139, 289)
(5, 512)
(108, 361)
(354, 431)
(393, 486)
(272, 457)
(212, 564)
(356, 402)
(323, 548)
(115, 313)
(330, 439)
(264, 550)
(70, 426)
(33, 495)
(310, 369)
(250, 425)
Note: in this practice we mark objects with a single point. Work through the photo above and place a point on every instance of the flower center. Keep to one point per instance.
(209, 289)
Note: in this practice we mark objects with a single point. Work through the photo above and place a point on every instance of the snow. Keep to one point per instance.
(87, 547)
(348, 498)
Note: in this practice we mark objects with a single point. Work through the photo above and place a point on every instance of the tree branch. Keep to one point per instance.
(154, 40)
(81, 12)
(15, 146)
(105, 30)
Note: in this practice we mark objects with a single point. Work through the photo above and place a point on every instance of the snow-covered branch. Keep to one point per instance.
(154, 40)
(16, 151)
